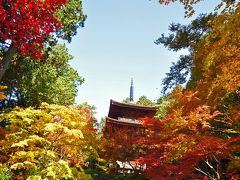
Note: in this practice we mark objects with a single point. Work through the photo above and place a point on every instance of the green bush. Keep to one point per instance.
(4, 174)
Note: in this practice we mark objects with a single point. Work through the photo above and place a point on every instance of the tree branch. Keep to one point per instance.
(7, 57)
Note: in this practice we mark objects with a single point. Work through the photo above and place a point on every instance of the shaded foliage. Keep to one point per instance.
(71, 17)
(50, 80)
(120, 147)
(183, 37)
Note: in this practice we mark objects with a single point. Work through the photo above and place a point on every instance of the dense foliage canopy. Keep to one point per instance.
(26, 25)
(30, 30)
(47, 142)
(50, 80)
(183, 37)
(194, 135)
(199, 135)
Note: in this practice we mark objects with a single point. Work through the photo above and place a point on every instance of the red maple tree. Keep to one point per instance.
(25, 25)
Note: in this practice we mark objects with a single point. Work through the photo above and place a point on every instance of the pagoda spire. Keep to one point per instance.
(131, 91)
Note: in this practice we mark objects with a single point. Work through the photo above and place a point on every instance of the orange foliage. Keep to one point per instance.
(200, 135)
(2, 96)
(121, 144)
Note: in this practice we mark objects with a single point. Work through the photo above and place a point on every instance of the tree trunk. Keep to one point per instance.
(7, 57)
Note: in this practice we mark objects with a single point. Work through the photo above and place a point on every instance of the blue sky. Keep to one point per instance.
(117, 44)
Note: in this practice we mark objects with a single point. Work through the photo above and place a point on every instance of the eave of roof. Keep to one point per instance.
(121, 122)
(135, 106)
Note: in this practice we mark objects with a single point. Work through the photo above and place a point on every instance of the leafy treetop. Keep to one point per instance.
(52, 80)
(28, 23)
(44, 143)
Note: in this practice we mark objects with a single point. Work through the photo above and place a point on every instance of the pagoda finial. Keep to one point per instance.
(131, 91)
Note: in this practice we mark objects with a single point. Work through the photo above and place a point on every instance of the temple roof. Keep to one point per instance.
(126, 122)
(130, 110)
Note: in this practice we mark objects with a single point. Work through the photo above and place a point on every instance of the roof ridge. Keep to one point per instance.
(133, 104)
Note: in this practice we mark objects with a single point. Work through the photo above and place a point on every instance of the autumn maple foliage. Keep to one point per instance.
(200, 135)
(120, 144)
(47, 143)
(2, 96)
(185, 143)
(25, 25)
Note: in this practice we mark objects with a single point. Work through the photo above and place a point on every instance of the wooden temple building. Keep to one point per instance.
(127, 115)
(123, 124)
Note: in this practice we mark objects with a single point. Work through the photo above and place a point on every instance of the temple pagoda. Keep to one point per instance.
(127, 115)
(122, 129)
